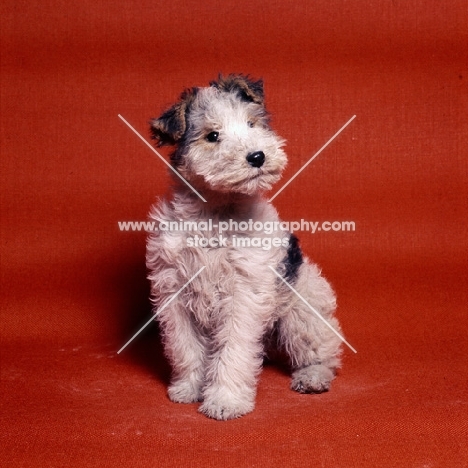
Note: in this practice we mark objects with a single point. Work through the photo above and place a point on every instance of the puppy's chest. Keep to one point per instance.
(233, 283)
(260, 238)
(234, 280)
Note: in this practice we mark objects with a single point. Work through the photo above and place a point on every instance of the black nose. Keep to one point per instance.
(256, 159)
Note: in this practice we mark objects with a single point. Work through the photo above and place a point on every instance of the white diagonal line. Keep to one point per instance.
(312, 158)
(160, 310)
(313, 310)
(160, 157)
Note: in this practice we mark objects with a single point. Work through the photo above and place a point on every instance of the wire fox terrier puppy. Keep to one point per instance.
(218, 328)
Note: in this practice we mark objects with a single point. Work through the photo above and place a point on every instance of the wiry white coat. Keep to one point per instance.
(214, 331)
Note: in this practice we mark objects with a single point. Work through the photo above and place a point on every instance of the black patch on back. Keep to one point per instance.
(293, 259)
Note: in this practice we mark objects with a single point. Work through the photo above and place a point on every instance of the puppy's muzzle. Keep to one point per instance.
(256, 159)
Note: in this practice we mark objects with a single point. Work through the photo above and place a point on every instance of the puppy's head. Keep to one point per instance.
(222, 137)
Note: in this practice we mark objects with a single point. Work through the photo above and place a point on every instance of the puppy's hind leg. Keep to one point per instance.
(313, 348)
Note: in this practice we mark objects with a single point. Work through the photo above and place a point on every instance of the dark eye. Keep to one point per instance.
(212, 137)
(250, 123)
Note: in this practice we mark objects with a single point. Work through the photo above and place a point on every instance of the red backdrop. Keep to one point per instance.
(73, 285)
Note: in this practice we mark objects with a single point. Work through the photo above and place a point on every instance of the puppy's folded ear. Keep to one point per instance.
(247, 89)
(171, 126)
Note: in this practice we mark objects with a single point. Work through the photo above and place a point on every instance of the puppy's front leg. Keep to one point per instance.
(185, 348)
(234, 364)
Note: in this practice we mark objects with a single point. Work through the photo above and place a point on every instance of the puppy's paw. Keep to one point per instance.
(184, 392)
(312, 379)
(223, 409)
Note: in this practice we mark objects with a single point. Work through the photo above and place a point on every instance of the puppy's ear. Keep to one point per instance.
(247, 89)
(171, 126)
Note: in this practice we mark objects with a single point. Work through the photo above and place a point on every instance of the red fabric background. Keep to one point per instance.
(74, 288)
